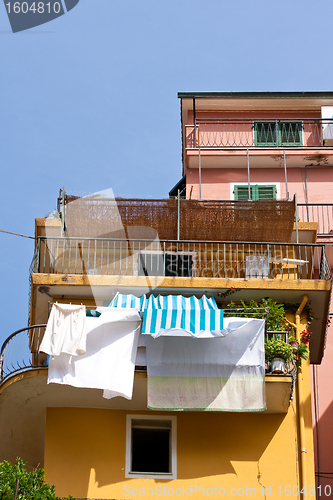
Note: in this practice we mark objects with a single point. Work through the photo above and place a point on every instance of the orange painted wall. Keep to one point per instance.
(85, 452)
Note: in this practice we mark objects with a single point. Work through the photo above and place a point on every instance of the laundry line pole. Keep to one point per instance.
(285, 173)
(178, 216)
(248, 174)
(199, 164)
(296, 218)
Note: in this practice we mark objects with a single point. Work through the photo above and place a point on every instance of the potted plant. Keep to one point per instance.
(300, 348)
(279, 354)
(267, 309)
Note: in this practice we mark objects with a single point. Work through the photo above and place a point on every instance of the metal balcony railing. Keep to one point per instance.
(246, 133)
(317, 212)
(120, 257)
(21, 351)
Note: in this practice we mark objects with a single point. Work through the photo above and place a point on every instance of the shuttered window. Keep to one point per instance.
(258, 192)
(278, 133)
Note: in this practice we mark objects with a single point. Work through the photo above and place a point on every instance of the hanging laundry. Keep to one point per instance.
(65, 330)
(225, 373)
(109, 361)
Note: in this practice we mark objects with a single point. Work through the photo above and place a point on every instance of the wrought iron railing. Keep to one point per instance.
(21, 351)
(317, 212)
(249, 133)
(120, 257)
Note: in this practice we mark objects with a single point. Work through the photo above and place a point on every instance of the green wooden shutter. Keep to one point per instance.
(258, 192)
(265, 192)
(265, 134)
(290, 133)
(241, 193)
(287, 134)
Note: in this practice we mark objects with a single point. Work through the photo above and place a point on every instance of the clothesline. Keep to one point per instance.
(221, 369)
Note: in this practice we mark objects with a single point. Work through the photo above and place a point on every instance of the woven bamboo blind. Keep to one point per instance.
(266, 221)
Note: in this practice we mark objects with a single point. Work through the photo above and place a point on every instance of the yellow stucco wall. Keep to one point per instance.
(85, 454)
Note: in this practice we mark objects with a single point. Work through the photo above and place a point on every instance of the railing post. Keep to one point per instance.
(322, 263)
(285, 173)
(199, 164)
(276, 134)
(248, 174)
(178, 215)
(1, 366)
(296, 218)
(37, 263)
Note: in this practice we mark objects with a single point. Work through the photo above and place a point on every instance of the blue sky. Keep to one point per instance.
(89, 100)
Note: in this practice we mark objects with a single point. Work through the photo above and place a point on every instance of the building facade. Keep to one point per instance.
(269, 145)
(222, 242)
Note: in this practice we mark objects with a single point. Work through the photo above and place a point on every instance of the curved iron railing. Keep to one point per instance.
(259, 133)
(20, 351)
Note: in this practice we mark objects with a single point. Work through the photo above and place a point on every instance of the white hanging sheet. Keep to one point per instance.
(109, 360)
(65, 330)
(224, 373)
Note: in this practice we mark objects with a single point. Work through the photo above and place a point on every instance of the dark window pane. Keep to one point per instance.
(185, 265)
(150, 450)
(151, 264)
(171, 265)
(178, 265)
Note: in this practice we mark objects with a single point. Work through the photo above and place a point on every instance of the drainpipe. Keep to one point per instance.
(306, 191)
(296, 218)
(299, 329)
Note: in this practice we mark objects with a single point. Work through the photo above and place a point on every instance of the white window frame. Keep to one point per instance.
(173, 444)
(267, 183)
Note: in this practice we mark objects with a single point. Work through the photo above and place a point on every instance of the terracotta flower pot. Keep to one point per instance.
(294, 344)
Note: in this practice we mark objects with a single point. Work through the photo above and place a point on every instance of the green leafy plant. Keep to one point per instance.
(29, 485)
(302, 351)
(275, 318)
(276, 321)
(277, 348)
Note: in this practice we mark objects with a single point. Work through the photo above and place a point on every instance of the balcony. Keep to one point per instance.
(186, 259)
(263, 138)
(248, 133)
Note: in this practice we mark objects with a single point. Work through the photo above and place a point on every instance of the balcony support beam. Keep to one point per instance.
(180, 282)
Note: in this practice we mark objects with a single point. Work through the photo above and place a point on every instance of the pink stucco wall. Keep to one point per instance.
(322, 402)
(215, 182)
(312, 185)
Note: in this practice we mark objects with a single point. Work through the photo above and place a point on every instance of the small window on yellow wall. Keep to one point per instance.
(151, 447)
